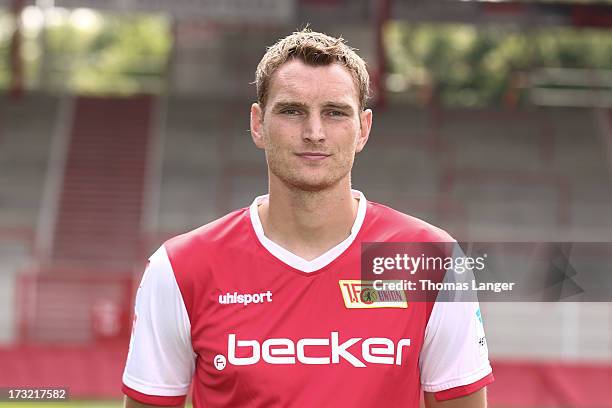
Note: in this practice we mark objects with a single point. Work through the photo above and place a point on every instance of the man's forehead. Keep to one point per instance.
(297, 81)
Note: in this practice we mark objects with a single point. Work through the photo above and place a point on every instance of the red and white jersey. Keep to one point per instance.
(254, 325)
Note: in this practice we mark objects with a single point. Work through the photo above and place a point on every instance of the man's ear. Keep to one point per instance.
(365, 121)
(257, 125)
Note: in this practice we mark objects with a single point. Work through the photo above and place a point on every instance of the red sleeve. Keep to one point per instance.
(160, 401)
(464, 390)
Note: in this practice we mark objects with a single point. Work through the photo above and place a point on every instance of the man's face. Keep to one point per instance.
(312, 127)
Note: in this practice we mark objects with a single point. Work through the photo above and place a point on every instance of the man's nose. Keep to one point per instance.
(314, 131)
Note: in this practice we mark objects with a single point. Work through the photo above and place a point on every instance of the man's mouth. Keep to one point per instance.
(313, 155)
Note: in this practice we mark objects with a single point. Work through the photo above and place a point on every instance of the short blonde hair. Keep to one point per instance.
(312, 48)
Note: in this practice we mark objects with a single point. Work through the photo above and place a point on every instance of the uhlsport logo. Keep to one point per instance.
(373, 350)
(245, 298)
(358, 294)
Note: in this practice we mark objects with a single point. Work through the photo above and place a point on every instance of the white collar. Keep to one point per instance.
(292, 259)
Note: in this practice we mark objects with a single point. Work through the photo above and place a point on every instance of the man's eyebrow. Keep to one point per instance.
(338, 105)
(289, 104)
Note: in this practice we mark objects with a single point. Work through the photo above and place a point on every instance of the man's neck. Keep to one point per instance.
(307, 223)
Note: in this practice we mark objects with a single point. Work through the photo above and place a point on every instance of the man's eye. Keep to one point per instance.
(337, 113)
(290, 112)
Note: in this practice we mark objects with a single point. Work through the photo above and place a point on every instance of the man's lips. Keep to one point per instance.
(313, 155)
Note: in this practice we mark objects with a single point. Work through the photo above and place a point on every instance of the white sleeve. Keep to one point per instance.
(454, 352)
(160, 360)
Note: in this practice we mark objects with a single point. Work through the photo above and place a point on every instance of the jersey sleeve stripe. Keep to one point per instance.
(459, 381)
(157, 400)
(154, 389)
(464, 389)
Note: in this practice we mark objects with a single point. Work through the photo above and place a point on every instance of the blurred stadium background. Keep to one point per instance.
(124, 122)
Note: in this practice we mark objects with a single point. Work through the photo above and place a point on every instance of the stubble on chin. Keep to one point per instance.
(298, 180)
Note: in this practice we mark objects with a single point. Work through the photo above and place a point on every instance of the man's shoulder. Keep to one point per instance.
(398, 226)
(210, 236)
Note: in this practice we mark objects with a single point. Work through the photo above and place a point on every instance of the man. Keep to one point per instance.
(252, 307)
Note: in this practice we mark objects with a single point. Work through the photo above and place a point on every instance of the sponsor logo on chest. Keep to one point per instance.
(313, 351)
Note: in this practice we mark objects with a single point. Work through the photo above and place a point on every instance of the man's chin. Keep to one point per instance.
(313, 182)
(313, 186)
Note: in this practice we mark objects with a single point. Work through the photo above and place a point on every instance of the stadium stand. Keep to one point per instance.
(101, 201)
(25, 143)
(25, 139)
(95, 217)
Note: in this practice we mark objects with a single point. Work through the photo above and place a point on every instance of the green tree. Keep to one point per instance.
(474, 66)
